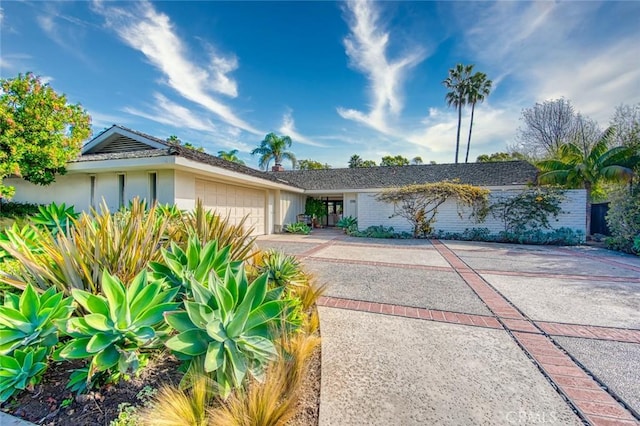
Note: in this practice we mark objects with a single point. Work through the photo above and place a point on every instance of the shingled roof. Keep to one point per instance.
(481, 174)
(177, 150)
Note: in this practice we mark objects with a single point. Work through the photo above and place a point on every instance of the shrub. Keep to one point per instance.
(379, 231)
(560, 236)
(298, 228)
(18, 210)
(18, 236)
(21, 369)
(121, 243)
(119, 325)
(623, 219)
(227, 328)
(29, 320)
(208, 226)
(530, 209)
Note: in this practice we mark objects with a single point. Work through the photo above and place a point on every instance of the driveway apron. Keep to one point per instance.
(419, 332)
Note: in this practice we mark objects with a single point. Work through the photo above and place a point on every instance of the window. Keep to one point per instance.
(121, 181)
(153, 187)
(92, 196)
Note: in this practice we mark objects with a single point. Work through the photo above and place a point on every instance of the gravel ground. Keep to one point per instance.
(616, 364)
(289, 247)
(409, 287)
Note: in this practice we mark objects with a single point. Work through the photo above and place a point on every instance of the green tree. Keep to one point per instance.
(355, 162)
(478, 89)
(398, 160)
(39, 131)
(575, 168)
(500, 156)
(274, 147)
(173, 139)
(231, 155)
(416, 161)
(312, 165)
(457, 82)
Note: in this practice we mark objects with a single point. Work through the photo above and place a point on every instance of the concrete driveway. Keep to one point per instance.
(461, 333)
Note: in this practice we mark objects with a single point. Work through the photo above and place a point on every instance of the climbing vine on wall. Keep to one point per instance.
(419, 203)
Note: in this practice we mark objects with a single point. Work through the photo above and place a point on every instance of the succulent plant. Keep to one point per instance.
(30, 319)
(119, 324)
(21, 369)
(228, 327)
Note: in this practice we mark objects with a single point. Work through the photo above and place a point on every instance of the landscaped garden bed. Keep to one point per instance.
(152, 314)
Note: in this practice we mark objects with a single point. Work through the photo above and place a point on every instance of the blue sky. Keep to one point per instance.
(340, 78)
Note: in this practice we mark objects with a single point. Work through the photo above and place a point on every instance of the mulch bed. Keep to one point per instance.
(47, 403)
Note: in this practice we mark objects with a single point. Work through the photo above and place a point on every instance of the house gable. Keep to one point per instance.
(120, 139)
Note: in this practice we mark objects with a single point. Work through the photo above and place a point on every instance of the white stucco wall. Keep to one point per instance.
(350, 207)
(70, 189)
(75, 189)
(372, 212)
(291, 205)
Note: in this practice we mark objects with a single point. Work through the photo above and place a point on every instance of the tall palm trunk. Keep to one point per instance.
(459, 125)
(473, 108)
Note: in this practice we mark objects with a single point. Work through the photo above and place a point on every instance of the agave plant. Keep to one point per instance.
(228, 327)
(282, 269)
(56, 218)
(181, 267)
(119, 324)
(298, 228)
(348, 222)
(30, 319)
(22, 369)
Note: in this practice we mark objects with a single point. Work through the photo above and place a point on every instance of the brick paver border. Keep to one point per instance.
(410, 312)
(580, 389)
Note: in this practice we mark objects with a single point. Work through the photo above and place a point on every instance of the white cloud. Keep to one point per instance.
(545, 48)
(167, 112)
(366, 46)
(152, 33)
(66, 36)
(103, 120)
(288, 128)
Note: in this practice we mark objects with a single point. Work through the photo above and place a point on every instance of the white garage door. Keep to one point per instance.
(235, 201)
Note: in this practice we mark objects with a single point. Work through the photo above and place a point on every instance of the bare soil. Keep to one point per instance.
(51, 404)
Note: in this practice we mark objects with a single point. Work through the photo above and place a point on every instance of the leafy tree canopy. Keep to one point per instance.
(312, 165)
(398, 160)
(355, 161)
(39, 131)
(500, 156)
(173, 139)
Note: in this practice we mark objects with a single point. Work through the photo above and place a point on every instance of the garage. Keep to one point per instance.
(235, 201)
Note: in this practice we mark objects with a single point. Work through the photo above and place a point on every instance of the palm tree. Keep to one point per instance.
(273, 147)
(457, 82)
(478, 89)
(355, 161)
(230, 156)
(575, 167)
